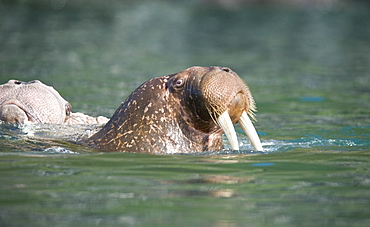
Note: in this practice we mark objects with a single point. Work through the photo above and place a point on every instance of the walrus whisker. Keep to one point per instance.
(226, 124)
(246, 124)
(214, 113)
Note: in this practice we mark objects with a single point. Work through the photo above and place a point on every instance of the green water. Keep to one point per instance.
(296, 188)
(307, 67)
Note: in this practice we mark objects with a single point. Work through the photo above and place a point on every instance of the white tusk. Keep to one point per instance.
(226, 124)
(249, 129)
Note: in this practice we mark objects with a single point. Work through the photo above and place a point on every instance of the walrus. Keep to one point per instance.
(185, 112)
(37, 103)
(23, 102)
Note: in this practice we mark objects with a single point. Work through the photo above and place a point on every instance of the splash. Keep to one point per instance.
(56, 139)
(311, 142)
(58, 150)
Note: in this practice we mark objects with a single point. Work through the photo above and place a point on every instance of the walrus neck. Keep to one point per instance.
(203, 135)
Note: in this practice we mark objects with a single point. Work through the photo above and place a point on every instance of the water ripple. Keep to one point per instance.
(311, 143)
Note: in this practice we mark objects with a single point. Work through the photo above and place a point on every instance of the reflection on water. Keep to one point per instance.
(307, 68)
(110, 189)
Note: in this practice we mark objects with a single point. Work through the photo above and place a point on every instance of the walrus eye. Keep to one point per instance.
(179, 83)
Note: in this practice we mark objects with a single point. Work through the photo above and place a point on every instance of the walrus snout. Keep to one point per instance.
(228, 100)
(236, 106)
(222, 89)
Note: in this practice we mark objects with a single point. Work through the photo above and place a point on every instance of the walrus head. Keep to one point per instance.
(32, 102)
(184, 112)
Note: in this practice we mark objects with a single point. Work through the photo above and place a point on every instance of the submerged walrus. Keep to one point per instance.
(32, 102)
(185, 112)
(35, 102)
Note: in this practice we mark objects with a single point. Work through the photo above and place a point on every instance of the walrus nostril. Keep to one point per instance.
(226, 69)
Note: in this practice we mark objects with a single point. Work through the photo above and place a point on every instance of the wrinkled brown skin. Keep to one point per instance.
(176, 113)
(35, 102)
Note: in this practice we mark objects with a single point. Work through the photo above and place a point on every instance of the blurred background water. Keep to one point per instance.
(307, 64)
